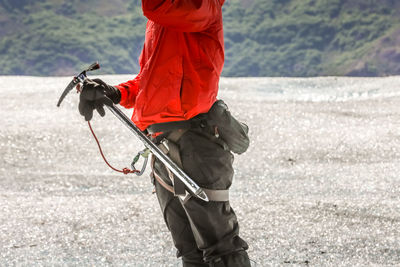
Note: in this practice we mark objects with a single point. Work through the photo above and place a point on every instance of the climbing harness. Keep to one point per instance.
(169, 146)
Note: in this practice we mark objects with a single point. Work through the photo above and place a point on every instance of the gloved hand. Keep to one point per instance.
(95, 94)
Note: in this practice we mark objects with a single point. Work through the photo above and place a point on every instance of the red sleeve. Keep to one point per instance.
(129, 91)
(182, 15)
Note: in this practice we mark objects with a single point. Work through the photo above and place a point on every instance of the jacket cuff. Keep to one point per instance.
(124, 95)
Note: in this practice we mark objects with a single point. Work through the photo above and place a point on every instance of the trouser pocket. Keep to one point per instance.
(206, 162)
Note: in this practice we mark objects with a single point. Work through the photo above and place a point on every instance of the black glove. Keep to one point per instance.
(95, 94)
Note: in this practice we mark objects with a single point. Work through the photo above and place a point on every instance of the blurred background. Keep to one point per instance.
(262, 37)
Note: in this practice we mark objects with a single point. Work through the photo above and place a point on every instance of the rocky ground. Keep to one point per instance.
(320, 185)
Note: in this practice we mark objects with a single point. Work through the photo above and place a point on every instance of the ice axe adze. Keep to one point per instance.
(190, 185)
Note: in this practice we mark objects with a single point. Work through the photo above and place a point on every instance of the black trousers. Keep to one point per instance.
(203, 232)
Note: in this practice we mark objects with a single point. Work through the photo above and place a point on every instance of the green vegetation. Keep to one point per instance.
(307, 38)
(59, 39)
(262, 37)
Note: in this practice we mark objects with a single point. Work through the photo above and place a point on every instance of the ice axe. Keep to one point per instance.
(190, 185)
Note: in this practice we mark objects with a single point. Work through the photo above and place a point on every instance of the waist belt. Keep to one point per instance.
(169, 126)
(198, 121)
(169, 147)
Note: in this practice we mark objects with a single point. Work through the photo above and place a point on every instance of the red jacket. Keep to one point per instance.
(180, 64)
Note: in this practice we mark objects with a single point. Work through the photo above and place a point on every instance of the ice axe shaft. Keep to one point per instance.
(179, 173)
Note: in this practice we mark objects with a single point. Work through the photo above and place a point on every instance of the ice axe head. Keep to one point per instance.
(94, 66)
(80, 78)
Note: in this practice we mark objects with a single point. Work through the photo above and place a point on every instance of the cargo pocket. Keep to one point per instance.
(206, 162)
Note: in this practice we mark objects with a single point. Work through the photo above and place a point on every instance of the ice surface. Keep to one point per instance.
(319, 186)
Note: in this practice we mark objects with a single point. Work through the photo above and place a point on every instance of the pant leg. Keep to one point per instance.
(209, 227)
(177, 222)
(236, 259)
(214, 224)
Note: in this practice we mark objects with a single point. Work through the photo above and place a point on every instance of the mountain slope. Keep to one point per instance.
(312, 37)
(262, 37)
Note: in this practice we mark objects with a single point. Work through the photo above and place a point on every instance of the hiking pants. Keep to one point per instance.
(204, 233)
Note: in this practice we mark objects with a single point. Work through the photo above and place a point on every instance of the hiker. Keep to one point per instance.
(174, 101)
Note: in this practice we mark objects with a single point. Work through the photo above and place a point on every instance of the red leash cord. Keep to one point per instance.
(124, 170)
